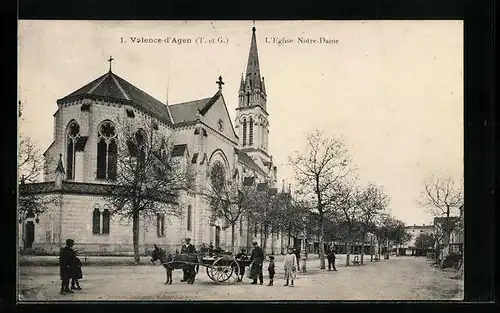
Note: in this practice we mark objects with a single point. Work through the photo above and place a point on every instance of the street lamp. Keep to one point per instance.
(303, 248)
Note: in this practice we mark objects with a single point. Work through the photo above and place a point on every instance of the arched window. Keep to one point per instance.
(189, 216)
(241, 225)
(244, 132)
(160, 225)
(73, 134)
(96, 221)
(218, 176)
(105, 221)
(250, 137)
(107, 150)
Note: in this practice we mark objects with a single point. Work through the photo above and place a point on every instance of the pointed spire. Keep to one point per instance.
(60, 167)
(253, 69)
(242, 84)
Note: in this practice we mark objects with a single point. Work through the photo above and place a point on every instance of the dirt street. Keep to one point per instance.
(401, 278)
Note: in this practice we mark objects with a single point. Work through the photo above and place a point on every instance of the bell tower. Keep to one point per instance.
(252, 119)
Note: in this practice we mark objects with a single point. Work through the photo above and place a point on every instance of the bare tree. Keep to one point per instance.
(373, 203)
(346, 200)
(145, 178)
(443, 197)
(30, 169)
(226, 199)
(325, 163)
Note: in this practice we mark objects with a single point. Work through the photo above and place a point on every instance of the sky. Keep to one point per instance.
(393, 89)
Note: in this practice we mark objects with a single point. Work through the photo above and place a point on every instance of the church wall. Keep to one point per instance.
(100, 111)
(218, 111)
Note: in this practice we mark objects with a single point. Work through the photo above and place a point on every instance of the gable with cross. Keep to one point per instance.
(220, 82)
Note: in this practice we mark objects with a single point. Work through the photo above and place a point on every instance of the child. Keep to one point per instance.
(271, 270)
(76, 272)
(241, 271)
(169, 270)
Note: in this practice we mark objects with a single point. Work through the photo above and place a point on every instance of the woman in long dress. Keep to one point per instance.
(290, 266)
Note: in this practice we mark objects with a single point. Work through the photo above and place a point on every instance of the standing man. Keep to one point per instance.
(258, 259)
(65, 261)
(331, 258)
(188, 273)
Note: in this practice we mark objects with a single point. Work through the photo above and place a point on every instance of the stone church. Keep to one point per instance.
(80, 160)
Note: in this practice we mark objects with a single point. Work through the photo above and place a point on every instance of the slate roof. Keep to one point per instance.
(247, 160)
(187, 111)
(111, 86)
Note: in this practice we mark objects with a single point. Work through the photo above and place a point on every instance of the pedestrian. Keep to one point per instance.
(331, 258)
(65, 261)
(189, 273)
(257, 258)
(169, 269)
(210, 249)
(76, 271)
(241, 270)
(290, 267)
(296, 251)
(271, 269)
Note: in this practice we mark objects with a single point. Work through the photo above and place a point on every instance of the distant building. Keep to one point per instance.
(410, 248)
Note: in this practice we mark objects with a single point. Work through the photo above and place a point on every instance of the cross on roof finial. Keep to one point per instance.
(110, 60)
(220, 82)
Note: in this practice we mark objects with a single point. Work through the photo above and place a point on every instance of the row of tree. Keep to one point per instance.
(328, 186)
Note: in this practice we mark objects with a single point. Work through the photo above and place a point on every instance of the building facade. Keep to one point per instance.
(410, 247)
(82, 159)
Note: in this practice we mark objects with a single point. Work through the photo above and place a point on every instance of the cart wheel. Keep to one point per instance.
(221, 270)
(208, 273)
(236, 272)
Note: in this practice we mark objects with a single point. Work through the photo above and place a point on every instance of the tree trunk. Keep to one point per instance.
(135, 237)
(362, 249)
(372, 249)
(347, 253)
(272, 243)
(321, 243)
(264, 243)
(232, 237)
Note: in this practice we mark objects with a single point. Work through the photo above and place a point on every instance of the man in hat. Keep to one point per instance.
(188, 273)
(258, 259)
(65, 261)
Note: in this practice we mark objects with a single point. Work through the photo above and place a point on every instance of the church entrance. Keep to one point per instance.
(217, 236)
(29, 234)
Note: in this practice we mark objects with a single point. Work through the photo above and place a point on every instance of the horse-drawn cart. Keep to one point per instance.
(221, 267)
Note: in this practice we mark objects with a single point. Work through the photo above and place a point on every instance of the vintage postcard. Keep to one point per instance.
(234, 160)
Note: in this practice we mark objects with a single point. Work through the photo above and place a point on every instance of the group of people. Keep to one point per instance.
(70, 268)
(290, 266)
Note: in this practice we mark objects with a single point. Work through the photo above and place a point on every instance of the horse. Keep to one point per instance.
(160, 254)
(176, 261)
